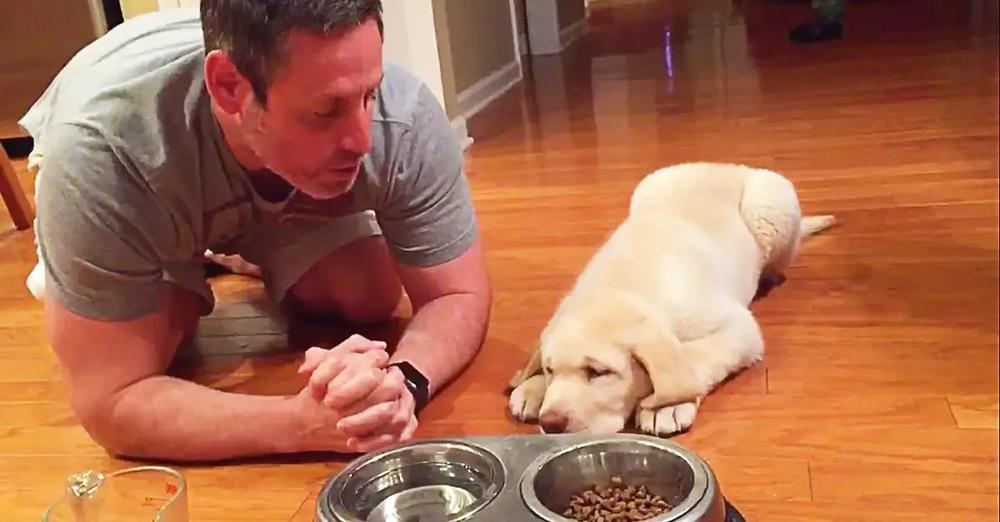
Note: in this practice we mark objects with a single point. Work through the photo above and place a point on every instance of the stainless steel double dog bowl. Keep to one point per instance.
(517, 478)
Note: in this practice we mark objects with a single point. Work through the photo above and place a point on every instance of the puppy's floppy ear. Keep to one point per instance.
(534, 367)
(670, 371)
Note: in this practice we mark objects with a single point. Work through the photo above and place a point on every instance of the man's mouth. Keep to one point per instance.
(345, 169)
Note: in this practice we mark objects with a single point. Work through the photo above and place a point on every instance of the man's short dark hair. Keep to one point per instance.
(254, 32)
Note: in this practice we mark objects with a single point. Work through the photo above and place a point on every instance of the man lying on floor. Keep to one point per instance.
(268, 129)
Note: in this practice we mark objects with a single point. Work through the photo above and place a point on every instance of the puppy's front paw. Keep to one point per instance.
(526, 400)
(667, 420)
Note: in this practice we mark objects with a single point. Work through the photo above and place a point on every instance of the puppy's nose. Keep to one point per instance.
(553, 423)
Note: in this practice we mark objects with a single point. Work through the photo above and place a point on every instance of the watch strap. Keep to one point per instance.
(416, 382)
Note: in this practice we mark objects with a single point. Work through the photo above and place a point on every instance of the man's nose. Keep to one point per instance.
(356, 132)
(553, 423)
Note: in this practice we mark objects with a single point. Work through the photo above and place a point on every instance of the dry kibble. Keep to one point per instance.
(619, 502)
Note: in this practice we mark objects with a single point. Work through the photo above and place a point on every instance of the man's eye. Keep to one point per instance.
(593, 373)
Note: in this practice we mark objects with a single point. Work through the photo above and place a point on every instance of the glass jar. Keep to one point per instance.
(140, 494)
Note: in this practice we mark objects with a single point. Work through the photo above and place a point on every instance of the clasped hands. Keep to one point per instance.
(353, 400)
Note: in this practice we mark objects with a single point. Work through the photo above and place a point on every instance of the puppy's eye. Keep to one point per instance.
(593, 373)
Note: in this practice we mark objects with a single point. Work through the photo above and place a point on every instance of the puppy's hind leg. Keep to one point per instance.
(735, 345)
(770, 209)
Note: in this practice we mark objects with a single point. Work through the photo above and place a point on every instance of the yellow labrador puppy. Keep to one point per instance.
(660, 315)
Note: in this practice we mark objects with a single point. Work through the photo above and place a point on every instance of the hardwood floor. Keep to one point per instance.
(877, 399)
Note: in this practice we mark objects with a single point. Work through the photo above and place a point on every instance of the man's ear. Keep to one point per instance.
(670, 371)
(227, 87)
(534, 367)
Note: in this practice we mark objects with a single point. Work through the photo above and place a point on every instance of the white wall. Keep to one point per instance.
(546, 33)
(411, 40)
(166, 4)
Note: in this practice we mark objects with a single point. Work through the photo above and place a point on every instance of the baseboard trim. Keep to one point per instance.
(569, 34)
(482, 93)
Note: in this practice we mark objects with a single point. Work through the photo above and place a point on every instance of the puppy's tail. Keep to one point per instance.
(812, 225)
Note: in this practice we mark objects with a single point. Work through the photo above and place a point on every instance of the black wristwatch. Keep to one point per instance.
(416, 383)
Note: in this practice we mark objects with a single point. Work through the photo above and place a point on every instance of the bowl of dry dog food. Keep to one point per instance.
(622, 479)
(552, 478)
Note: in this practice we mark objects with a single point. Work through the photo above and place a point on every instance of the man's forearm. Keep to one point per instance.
(444, 336)
(167, 418)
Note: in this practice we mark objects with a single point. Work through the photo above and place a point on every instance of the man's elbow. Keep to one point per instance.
(484, 299)
(99, 421)
(105, 435)
(482, 292)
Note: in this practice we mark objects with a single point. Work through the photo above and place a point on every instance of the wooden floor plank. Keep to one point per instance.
(42, 390)
(21, 340)
(307, 511)
(838, 512)
(832, 442)
(945, 486)
(23, 473)
(36, 413)
(210, 504)
(843, 409)
(754, 479)
(47, 441)
(976, 411)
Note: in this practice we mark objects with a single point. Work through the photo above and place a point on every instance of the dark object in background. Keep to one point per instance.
(817, 32)
(828, 24)
(768, 283)
(733, 514)
(18, 147)
(112, 12)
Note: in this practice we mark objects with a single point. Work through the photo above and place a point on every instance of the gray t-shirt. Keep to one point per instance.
(135, 175)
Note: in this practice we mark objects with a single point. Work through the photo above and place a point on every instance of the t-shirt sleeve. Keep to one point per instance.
(428, 217)
(100, 231)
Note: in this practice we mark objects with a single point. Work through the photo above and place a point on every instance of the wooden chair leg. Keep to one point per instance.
(21, 211)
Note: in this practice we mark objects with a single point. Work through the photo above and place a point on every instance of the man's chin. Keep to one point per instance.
(329, 190)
